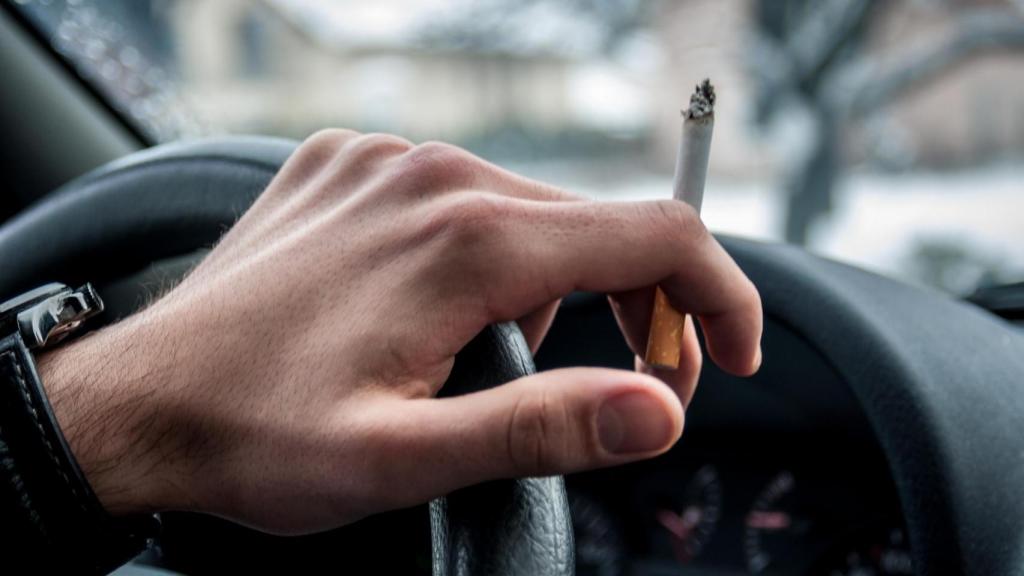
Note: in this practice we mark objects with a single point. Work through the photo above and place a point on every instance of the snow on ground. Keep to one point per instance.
(878, 218)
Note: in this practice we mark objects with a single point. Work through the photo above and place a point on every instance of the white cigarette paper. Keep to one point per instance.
(664, 340)
(695, 146)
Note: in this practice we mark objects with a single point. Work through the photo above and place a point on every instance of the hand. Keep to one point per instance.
(288, 382)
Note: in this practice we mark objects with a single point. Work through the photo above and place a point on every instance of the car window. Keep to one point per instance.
(889, 134)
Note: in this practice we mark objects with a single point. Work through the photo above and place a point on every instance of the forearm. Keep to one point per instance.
(53, 520)
(102, 392)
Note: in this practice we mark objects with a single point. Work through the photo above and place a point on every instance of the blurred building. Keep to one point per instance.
(256, 66)
(251, 66)
(971, 113)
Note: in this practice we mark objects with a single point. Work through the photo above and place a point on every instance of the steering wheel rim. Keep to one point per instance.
(164, 204)
(941, 383)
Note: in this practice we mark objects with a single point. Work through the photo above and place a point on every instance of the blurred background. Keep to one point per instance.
(887, 133)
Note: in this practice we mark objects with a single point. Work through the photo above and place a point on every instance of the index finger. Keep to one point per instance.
(556, 248)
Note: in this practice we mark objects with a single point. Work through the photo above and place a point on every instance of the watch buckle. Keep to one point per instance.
(53, 318)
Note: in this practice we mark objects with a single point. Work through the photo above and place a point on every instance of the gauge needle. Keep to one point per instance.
(680, 525)
(768, 520)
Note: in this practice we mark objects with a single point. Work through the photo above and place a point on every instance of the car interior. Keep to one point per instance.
(881, 436)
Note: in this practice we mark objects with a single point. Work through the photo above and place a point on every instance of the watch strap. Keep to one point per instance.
(60, 523)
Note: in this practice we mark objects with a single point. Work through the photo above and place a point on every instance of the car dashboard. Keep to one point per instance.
(729, 504)
(775, 474)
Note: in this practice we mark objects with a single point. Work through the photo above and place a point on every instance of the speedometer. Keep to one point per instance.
(599, 547)
(821, 527)
(780, 535)
(691, 525)
(875, 553)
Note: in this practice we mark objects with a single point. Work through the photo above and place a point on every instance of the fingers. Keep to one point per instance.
(683, 380)
(549, 250)
(535, 325)
(316, 151)
(328, 167)
(550, 423)
(633, 312)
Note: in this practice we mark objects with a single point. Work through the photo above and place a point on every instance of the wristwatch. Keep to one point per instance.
(49, 515)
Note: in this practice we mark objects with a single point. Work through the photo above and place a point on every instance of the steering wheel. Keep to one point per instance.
(138, 224)
(941, 383)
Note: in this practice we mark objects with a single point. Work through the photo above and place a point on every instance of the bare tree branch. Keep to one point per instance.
(977, 32)
(823, 34)
(803, 60)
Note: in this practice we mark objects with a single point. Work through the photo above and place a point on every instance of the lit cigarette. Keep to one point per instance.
(666, 333)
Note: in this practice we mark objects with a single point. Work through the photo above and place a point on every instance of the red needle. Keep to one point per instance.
(765, 520)
(680, 525)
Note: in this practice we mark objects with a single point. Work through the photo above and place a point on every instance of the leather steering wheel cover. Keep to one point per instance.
(471, 536)
(942, 385)
(163, 202)
(172, 200)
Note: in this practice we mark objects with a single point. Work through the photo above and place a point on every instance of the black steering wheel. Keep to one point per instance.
(138, 224)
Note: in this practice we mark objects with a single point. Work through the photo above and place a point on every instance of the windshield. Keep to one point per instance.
(889, 134)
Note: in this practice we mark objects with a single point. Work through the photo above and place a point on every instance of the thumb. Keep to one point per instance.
(549, 423)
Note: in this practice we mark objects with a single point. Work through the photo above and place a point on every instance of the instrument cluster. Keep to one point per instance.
(743, 505)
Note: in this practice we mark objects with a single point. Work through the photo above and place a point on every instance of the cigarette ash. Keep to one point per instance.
(702, 102)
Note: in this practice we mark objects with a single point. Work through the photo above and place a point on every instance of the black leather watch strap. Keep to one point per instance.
(52, 516)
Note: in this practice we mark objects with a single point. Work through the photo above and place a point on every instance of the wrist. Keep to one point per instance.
(105, 392)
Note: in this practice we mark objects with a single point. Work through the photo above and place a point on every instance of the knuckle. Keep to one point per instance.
(478, 214)
(369, 147)
(459, 231)
(437, 165)
(537, 429)
(468, 220)
(315, 152)
(470, 248)
(470, 228)
(442, 154)
(326, 141)
(680, 222)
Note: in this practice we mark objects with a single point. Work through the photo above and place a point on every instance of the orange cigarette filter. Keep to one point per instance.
(665, 338)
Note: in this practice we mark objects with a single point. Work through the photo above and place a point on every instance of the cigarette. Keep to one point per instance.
(665, 337)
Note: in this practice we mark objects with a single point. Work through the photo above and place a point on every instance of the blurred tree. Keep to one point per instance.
(798, 47)
(809, 54)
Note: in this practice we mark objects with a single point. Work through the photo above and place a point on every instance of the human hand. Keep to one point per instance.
(288, 382)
